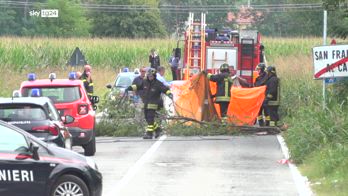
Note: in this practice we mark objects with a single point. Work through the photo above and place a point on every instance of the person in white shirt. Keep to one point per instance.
(160, 76)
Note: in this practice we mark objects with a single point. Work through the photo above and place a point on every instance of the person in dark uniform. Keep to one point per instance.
(152, 99)
(154, 59)
(223, 91)
(272, 100)
(260, 81)
(86, 78)
(138, 81)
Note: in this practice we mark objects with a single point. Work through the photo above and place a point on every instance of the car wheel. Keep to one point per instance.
(69, 185)
(90, 147)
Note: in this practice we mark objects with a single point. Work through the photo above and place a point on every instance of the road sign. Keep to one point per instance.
(330, 61)
(77, 58)
(330, 80)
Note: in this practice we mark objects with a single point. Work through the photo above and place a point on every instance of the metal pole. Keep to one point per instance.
(324, 43)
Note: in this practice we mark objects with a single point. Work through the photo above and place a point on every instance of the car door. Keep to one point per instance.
(20, 173)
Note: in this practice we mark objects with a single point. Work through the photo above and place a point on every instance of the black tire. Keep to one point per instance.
(90, 147)
(69, 184)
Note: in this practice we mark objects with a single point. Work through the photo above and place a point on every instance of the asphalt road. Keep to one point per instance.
(193, 166)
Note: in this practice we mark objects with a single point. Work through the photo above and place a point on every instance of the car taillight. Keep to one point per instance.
(83, 109)
(54, 130)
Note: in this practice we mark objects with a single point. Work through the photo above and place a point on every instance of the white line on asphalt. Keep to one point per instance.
(301, 182)
(136, 167)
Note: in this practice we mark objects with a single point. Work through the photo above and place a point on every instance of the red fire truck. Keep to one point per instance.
(206, 49)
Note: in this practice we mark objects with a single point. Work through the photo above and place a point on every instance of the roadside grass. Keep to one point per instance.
(317, 137)
(328, 170)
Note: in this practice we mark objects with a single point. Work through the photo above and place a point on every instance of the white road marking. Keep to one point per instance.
(302, 183)
(136, 167)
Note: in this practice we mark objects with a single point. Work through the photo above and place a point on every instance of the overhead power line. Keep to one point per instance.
(115, 8)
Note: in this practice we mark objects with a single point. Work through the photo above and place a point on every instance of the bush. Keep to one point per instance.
(314, 128)
(120, 117)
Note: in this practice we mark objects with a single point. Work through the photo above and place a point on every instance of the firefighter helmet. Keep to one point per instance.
(271, 69)
(224, 68)
(151, 72)
(261, 67)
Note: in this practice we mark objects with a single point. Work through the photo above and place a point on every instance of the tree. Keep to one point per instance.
(8, 23)
(71, 20)
(131, 23)
(338, 18)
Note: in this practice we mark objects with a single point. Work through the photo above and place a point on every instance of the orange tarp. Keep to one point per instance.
(245, 104)
(193, 100)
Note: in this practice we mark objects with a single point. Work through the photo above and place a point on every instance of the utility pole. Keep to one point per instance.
(25, 11)
(324, 43)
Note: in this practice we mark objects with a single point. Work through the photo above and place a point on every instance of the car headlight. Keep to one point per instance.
(91, 163)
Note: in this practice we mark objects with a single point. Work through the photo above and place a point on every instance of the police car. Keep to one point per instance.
(37, 116)
(123, 80)
(70, 98)
(31, 167)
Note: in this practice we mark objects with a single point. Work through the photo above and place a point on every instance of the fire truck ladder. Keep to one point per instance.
(195, 44)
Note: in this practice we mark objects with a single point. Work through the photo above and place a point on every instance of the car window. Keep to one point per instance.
(124, 81)
(20, 112)
(53, 113)
(57, 94)
(11, 140)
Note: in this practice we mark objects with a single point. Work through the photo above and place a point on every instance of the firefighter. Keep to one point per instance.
(271, 102)
(223, 91)
(152, 99)
(262, 75)
(260, 81)
(86, 78)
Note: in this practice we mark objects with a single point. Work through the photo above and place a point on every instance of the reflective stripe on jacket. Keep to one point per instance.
(224, 84)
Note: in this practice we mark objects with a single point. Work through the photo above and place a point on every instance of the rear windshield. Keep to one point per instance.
(56, 94)
(21, 112)
(124, 81)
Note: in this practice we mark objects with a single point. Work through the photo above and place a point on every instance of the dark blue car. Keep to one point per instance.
(31, 167)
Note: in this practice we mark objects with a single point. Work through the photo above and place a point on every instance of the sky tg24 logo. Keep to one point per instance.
(46, 13)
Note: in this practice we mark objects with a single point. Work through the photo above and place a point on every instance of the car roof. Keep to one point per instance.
(128, 74)
(48, 82)
(26, 100)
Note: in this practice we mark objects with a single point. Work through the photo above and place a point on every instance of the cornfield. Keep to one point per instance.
(20, 53)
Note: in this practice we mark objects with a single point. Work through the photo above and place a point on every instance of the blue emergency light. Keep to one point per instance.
(72, 75)
(31, 77)
(126, 69)
(35, 92)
